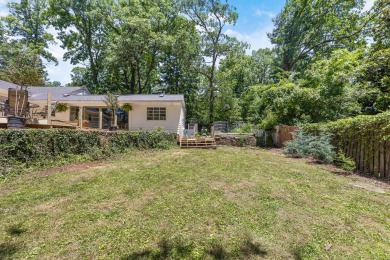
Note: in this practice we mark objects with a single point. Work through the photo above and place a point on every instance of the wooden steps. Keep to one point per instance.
(203, 143)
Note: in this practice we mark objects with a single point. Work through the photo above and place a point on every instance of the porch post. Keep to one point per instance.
(49, 108)
(100, 118)
(129, 120)
(115, 120)
(81, 117)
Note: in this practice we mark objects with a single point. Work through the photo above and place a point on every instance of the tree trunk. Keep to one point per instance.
(95, 73)
(132, 81)
(211, 87)
(212, 98)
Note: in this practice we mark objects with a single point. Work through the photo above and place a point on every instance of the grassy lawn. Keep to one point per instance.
(196, 204)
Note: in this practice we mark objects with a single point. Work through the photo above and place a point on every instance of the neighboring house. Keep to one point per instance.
(89, 110)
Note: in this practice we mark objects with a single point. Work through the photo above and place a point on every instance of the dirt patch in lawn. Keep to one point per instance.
(179, 153)
(71, 168)
(75, 168)
(235, 192)
(357, 176)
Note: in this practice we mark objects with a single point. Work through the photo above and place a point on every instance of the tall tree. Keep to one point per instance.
(28, 20)
(377, 64)
(82, 33)
(264, 60)
(236, 74)
(380, 28)
(242, 70)
(211, 17)
(138, 38)
(79, 77)
(3, 47)
(180, 62)
(153, 48)
(305, 28)
(25, 69)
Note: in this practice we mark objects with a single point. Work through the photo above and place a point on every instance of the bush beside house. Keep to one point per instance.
(21, 149)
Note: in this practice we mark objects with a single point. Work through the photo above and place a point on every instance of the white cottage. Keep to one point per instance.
(86, 110)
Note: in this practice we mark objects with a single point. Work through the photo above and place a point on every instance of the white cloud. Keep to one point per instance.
(368, 5)
(261, 13)
(62, 71)
(257, 39)
(3, 8)
(3, 13)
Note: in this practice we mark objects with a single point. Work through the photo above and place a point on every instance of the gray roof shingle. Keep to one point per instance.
(6, 85)
(82, 94)
(129, 98)
(37, 93)
(58, 93)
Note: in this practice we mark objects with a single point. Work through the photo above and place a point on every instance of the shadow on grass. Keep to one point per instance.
(176, 249)
(7, 250)
(15, 230)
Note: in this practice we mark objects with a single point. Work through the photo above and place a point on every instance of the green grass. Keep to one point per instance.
(194, 204)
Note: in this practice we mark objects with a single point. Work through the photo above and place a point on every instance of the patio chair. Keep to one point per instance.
(2, 108)
(17, 103)
(43, 112)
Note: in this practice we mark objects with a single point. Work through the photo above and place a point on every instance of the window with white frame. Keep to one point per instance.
(156, 113)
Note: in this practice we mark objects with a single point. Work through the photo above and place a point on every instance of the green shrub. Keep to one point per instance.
(264, 138)
(21, 149)
(365, 128)
(245, 128)
(304, 145)
(165, 145)
(344, 162)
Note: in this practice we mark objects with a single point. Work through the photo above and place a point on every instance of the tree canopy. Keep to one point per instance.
(329, 60)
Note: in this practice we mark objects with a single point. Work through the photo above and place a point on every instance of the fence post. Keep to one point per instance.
(49, 108)
(387, 160)
(382, 159)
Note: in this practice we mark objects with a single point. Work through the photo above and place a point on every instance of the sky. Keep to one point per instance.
(253, 24)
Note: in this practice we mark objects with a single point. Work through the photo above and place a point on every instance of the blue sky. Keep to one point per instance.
(254, 22)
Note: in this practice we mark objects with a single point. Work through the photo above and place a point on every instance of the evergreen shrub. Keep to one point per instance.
(344, 162)
(305, 145)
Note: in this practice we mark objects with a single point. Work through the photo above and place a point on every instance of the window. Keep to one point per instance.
(156, 113)
(74, 113)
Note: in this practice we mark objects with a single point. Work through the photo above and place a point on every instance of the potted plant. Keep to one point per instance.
(112, 106)
(24, 70)
(61, 107)
(127, 107)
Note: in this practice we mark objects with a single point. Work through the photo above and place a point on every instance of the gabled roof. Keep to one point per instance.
(58, 93)
(39, 93)
(125, 98)
(6, 85)
(82, 94)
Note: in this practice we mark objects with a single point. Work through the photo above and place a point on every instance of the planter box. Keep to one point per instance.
(15, 122)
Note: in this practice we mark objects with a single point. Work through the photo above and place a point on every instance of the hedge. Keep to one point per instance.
(367, 127)
(365, 139)
(26, 148)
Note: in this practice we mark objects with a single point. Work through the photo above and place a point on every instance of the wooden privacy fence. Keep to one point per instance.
(277, 137)
(365, 139)
(371, 156)
(220, 126)
(282, 134)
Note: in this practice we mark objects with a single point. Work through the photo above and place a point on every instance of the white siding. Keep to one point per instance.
(63, 116)
(172, 123)
(182, 122)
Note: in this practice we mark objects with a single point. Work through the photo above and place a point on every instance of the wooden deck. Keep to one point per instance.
(203, 143)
